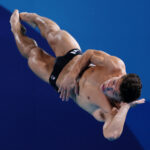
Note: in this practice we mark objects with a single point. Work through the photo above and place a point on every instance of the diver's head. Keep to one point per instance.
(126, 88)
(130, 87)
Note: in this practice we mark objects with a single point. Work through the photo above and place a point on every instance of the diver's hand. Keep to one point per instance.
(66, 86)
(134, 103)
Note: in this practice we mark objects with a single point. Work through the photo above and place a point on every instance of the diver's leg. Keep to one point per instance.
(60, 41)
(38, 60)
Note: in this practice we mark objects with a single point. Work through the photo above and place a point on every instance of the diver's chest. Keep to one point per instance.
(89, 96)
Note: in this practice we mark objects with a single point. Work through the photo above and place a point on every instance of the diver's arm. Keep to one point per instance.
(114, 122)
(90, 56)
(113, 126)
(98, 58)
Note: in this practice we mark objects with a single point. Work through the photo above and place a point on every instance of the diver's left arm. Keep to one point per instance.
(114, 122)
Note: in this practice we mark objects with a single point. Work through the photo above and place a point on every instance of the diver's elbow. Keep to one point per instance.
(112, 136)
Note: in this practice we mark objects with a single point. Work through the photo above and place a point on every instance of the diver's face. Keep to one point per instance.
(111, 88)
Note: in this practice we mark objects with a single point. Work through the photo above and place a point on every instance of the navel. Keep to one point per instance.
(88, 97)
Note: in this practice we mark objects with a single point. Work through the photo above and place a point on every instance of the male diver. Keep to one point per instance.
(95, 80)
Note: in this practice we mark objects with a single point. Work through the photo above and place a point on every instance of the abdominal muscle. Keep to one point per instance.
(86, 105)
(86, 93)
(90, 97)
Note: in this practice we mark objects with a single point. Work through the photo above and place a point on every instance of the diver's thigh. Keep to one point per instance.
(61, 42)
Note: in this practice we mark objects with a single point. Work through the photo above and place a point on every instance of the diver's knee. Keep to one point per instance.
(34, 52)
(54, 36)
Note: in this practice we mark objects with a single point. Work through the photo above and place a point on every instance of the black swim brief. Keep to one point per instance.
(60, 64)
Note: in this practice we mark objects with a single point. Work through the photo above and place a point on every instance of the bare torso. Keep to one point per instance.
(90, 96)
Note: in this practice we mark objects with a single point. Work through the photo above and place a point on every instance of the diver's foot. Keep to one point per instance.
(29, 18)
(15, 22)
(16, 26)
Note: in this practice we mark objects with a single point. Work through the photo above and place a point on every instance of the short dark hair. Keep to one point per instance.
(130, 87)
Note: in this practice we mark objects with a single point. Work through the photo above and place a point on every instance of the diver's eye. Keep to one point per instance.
(109, 89)
(115, 94)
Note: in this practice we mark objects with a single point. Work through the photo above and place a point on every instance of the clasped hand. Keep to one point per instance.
(127, 105)
(69, 83)
(134, 103)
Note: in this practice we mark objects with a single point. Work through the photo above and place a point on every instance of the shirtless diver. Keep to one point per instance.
(95, 80)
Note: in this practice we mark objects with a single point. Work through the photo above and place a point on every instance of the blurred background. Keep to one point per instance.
(31, 114)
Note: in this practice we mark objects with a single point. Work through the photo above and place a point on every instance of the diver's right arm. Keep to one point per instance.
(98, 58)
(114, 122)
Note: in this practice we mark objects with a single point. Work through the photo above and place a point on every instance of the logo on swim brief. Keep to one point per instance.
(74, 51)
(53, 77)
